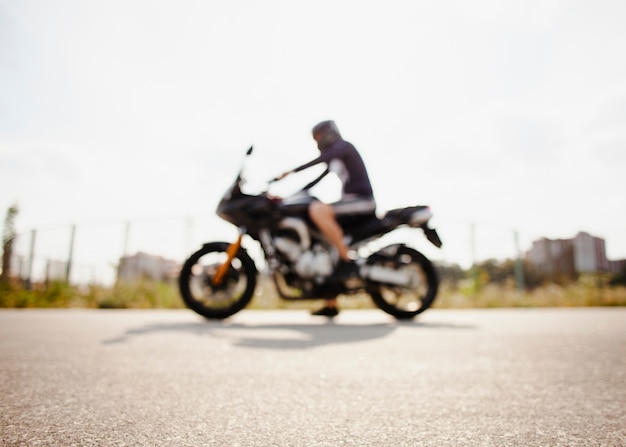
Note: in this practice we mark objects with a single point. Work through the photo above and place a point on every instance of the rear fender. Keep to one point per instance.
(414, 216)
(432, 236)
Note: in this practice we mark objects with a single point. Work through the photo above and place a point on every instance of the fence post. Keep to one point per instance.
(31, 260)
(473, 252)
(126, 239)
(519, 268)
(68, 267)
(188, 232)
(474, 268)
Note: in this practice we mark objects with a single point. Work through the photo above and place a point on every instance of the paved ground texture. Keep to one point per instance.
(533, 377)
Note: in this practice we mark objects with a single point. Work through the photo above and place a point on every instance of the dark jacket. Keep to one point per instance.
(343, 159)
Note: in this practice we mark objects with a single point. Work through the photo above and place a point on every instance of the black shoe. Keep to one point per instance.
(327, 311)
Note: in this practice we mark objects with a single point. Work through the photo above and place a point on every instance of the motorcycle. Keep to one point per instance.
(219, 279)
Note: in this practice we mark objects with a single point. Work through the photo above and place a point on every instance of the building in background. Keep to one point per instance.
(144, 266)
(568, 257)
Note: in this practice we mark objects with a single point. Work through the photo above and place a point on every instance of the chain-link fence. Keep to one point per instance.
(91, 253)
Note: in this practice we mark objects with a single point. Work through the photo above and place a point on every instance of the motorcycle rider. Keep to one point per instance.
(357, 198)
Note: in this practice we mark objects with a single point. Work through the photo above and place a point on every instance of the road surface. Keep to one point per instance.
(524, 377)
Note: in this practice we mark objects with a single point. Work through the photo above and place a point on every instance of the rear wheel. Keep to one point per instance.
(400, 301)
(217, 301)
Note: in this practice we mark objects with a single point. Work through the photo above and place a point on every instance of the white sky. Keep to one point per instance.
(503, 112)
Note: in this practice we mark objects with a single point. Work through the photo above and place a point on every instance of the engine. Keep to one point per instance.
(314, 263)
(309, 260)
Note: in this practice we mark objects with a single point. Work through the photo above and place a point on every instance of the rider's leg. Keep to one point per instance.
(323, 216)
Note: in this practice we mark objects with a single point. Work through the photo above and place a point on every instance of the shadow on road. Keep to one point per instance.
(281, 335)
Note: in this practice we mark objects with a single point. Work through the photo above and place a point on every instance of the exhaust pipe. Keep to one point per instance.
(389, 276)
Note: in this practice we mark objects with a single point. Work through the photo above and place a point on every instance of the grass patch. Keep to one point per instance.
(139, 295)
(587, 291)
(582, 293)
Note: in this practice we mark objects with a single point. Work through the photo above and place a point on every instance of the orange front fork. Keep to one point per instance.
(231, 251)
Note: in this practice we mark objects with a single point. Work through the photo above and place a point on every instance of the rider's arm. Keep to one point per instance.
(316, 181)
(325, 157)
(318, 160)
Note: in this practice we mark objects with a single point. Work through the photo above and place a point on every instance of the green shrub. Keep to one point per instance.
(588, 290)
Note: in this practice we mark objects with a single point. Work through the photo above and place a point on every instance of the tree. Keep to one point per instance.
(619, 279)
(452, 273)
(8, 237)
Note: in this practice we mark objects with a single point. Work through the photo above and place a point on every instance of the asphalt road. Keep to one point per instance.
(549, 377)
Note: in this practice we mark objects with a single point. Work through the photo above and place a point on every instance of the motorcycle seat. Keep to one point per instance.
(360, 226)
(358, 221)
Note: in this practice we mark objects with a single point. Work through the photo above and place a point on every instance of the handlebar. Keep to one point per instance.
(280, 177)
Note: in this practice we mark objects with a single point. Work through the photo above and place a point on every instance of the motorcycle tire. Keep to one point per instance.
(402, 302)
(223, 300)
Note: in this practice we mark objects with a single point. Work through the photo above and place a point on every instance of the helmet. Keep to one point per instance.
(325, 133)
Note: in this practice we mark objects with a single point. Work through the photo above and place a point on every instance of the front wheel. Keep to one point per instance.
(217, 301)
(404, 302)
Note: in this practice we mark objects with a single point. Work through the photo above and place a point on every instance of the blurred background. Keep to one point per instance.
(122, 122)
